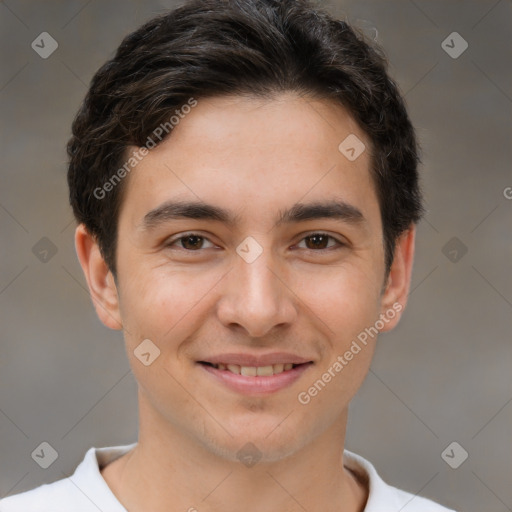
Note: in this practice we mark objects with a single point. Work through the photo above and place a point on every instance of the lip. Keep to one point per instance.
(256, 360)
(262, 385)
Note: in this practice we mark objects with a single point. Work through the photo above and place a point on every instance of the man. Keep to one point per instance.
(244, 176)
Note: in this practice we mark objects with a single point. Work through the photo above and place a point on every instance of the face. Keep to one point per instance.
(260, 282)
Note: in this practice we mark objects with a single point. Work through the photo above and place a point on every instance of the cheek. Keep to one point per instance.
(347, 304)
(160, 309)
(168, 307)
(349, 308)
(155, 306)
(346, 299)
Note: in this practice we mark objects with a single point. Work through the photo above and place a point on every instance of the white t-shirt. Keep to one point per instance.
(87, 491)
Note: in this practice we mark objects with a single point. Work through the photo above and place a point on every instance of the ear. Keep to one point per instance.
(100, 280)
(394, 297)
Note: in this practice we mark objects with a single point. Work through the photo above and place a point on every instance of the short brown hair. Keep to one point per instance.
(208, 48)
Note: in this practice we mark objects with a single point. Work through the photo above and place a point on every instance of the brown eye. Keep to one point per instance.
(191, 242)
(319, 242)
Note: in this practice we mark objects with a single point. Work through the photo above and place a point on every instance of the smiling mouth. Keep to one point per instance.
(254, 371)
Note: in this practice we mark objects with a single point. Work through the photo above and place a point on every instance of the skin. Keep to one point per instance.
(254, 157)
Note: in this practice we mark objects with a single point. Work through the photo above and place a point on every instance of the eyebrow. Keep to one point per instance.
(299, 212)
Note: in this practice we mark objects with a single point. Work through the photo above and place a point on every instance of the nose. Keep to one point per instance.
(257, 296)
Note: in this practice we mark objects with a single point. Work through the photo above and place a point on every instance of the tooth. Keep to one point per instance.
(221, 366)
(248, 371)
(265, 370)
(234, 368)
(278, 368)
(288, 366)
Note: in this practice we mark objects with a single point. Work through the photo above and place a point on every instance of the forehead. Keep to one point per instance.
(255, 155)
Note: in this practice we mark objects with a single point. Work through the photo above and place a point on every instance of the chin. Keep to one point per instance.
(265, 441)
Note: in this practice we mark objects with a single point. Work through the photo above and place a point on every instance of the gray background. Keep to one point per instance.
(443, 375)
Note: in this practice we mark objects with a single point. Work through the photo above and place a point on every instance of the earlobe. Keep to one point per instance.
(100, 280)
(394, 298)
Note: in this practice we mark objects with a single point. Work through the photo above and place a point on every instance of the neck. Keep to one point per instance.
(169, 467)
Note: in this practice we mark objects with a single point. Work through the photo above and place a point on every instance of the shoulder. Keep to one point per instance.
(84, 491)
(386, 498)
(55, 497)
(414, 503)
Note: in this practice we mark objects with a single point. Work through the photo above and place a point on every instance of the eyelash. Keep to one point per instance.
(182, 237)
